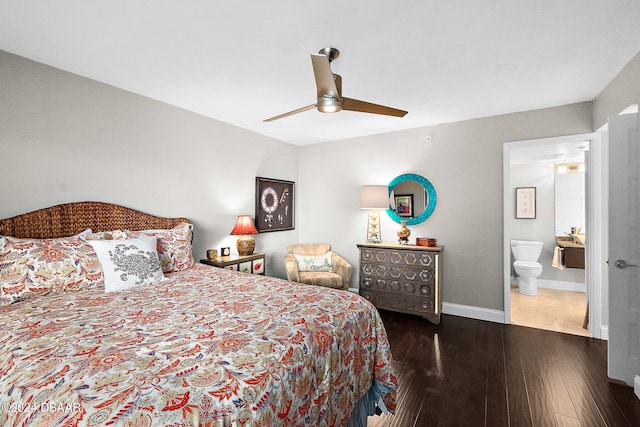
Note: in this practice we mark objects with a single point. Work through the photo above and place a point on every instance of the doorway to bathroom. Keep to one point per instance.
(565, 173)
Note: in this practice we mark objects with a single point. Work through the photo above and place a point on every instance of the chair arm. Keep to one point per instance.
(342, 268)
(291, 265)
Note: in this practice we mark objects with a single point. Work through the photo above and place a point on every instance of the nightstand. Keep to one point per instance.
(253, 264)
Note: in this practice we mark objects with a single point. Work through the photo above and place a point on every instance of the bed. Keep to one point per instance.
(197, 346)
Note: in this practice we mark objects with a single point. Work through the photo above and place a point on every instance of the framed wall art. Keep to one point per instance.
(404, 205)
(274, 205)
(525, 203)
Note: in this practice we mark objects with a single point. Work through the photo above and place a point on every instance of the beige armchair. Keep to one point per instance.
(316, 270)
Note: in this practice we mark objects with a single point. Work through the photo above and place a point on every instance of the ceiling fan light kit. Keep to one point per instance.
(329, 91)
(329, 105)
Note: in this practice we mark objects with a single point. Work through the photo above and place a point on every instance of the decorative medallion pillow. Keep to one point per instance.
(174, 246)
(127, 263)
(32, 267)
(314, 262)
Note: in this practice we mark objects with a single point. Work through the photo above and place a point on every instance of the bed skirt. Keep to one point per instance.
(370, 404)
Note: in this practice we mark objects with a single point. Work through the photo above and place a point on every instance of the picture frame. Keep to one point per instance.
(404, 205)
(274, 205)
(525, 202)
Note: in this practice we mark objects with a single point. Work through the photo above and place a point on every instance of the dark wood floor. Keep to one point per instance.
(468, 372)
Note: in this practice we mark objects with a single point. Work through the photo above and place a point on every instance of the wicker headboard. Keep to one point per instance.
(72, 218)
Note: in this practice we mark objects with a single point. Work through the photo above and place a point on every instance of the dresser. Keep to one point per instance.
(253, 264)
(403, 278)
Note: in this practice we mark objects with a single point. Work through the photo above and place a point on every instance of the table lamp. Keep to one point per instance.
(374, 198)
(244, 228)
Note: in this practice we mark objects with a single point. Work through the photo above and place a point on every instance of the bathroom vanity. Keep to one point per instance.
(573, 252)
(403, 278)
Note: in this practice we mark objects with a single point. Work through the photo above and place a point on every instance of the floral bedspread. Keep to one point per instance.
(207, 347)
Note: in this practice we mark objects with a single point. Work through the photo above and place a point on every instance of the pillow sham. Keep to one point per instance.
(314, 262)
(32, 267)
(105, 235)
(127, 263)
(174, 246)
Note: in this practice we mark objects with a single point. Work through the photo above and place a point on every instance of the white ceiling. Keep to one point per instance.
(243, 61)
(549, 153)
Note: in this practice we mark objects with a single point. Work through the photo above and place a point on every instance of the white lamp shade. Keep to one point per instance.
(374, 197)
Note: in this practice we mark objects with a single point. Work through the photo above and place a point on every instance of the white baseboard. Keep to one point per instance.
(471, 312)
(495, 316)
(562, 285)
(556, 284)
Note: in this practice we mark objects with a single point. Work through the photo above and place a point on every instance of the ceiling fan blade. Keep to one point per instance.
(291, 113)
(325, 82)
(367, 107)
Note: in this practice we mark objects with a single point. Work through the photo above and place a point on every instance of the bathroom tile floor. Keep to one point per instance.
(551, 309)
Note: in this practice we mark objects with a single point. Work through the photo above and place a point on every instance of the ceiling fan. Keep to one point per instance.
(329, 85)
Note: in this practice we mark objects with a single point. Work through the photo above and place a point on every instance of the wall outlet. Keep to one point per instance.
(636, 386)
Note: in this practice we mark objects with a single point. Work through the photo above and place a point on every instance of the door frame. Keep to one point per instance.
(596, 195)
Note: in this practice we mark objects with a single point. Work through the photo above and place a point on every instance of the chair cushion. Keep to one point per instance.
(309, 248)
(322, 278)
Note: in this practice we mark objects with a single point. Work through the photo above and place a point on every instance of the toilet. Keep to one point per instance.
(528, 269)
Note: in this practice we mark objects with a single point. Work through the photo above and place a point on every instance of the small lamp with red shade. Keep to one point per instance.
(244, 228)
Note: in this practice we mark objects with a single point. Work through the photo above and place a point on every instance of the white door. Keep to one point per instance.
(624, 287)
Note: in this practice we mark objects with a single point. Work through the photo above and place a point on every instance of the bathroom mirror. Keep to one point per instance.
(569, 197)
(412, 198)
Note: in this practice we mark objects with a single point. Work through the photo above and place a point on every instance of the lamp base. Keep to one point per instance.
(245, 245)
(373, 226)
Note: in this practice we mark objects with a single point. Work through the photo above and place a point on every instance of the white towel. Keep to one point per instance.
(558, 258)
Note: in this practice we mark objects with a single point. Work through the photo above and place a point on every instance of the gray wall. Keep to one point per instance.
(622, 91)
(65, 138)
(463, 162)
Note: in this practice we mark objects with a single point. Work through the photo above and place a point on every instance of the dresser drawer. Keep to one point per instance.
(399, 286)
(397, 272)
(402, 278)
(398, 257)
(400, 302)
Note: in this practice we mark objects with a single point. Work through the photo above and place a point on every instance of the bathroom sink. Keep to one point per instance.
(579, 238)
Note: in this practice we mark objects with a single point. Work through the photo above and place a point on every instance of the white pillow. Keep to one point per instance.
(314, 262)
(85, 232)
(128, 263)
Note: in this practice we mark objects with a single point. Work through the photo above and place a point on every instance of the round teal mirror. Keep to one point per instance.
(412, 198)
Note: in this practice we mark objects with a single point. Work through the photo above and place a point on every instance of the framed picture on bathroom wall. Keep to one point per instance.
(526, 202)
